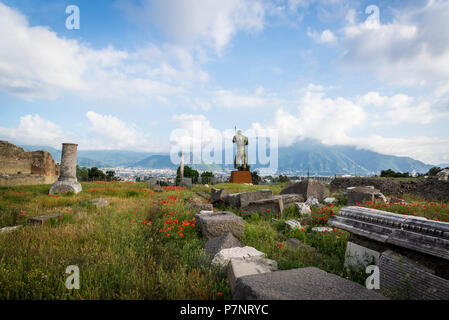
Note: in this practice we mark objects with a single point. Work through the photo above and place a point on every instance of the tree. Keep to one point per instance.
(255, 177)
(188, 173)
(433, 171)
(283, 179)
(205, 177)
(96, 174)
(393, 174)
(82, 173)
(110, 176)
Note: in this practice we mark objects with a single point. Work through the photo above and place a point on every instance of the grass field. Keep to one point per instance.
(145, 245)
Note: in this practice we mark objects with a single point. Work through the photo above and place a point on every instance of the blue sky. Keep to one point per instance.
(136, 70)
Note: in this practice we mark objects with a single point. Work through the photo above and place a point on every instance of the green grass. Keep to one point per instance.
(146, 245)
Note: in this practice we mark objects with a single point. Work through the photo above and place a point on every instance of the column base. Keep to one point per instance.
(65, 186)
(241, 177)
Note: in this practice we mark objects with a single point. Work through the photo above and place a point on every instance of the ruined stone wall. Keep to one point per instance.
(429, 189)
(20, 167)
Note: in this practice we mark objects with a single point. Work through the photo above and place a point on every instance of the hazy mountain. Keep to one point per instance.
(302, 156)
(326, 160)
(155, 162)
(56, 154)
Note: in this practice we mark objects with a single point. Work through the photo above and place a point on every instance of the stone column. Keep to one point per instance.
(67, 178)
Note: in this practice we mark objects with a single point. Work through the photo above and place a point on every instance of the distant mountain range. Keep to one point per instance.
(303, 156)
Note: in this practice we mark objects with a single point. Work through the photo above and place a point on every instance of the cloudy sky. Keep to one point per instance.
(374, 74)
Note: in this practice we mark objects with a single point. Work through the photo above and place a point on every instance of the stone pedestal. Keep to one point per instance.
(241, 177)
(67, 178)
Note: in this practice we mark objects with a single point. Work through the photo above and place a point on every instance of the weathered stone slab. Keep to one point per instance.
(242, 199)
(223, 257)
(300, 284)
(239, 267)
(290, 199)
(265, 206)
(40, 220)
(198, 207)
(225, 241)
(100, 202)
(409, 232)
(307, 188)
(404, 278)
(152, 182)
(215, 224)
(218, 195)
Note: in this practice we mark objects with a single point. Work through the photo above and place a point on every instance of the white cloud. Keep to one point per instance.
(231, 99)
(34, 130)
(37, 63)
(104, 132)
(413, 49)
(327, 36)
(400, 108)
(212, 23)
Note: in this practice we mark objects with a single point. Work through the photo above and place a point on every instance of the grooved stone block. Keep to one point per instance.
(404, 278)
(300, 284)
(215, 224)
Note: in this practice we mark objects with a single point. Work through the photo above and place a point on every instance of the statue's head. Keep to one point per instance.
(239, 132)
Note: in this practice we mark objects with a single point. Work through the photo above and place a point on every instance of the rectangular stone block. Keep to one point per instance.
(300, 284)
(40, 220)
(404, 278)
(265, 206)
(215, 224)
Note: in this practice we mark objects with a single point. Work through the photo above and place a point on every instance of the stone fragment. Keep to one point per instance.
(239, 267)
(223, 257)
(225, 241)
(307, 188)
(217, 223)
(290, 199)
(265, 206)
(300, 284)
(100, 202)
(198, 207)
(7, 229)
(293, 224)
(304, 209)
(218, 195)
(312, 202)
(329, 200)
(322, 229)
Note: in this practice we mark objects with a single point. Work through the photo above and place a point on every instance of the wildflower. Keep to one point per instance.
(280, 244)
(21, 212)
(219, 294)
